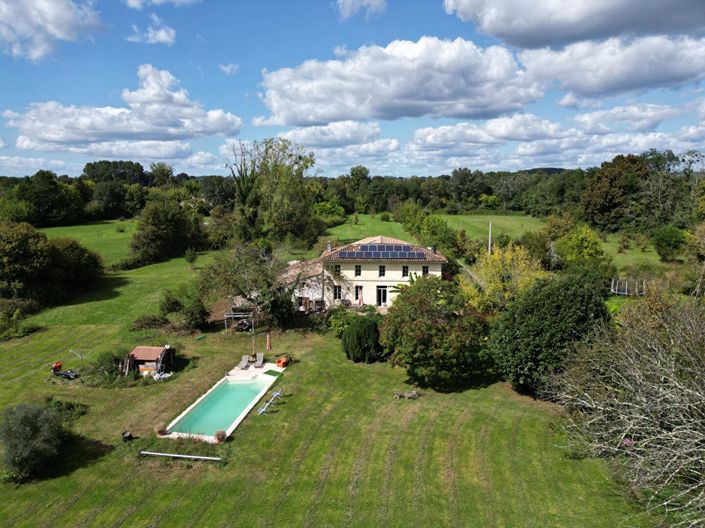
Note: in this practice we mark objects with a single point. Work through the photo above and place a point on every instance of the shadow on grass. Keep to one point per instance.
(76, 452)
(461, 385)
(182, 362)
(106, 289)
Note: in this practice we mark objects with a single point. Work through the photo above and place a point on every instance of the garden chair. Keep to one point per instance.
(244, 362)
(259, 363)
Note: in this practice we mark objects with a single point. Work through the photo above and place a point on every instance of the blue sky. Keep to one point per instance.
(401, 86)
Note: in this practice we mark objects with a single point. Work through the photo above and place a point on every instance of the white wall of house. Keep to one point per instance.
(317, 287)
(369, 279)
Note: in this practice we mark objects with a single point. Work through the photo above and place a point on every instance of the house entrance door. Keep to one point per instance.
(381, 296)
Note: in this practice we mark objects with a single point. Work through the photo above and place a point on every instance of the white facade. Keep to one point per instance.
(366, 272)
(370, 280)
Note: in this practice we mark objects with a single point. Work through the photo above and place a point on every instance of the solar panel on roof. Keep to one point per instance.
(376, 254)
(385, 254)
(367, 254)
(394, 254)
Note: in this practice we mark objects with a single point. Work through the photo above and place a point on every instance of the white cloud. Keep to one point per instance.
(459, 138)
(139, 4)
(595, 69)
(525, 140)
(201, 159)
(229, 68)
(2, 144)
(376, 155)
(569, 100)
(337, 134)
(226, 148)
(430, 77)
(114, 149)
(640, 117)
(348, 8)
(30, 28)
(21, 166)
(156, 120)
(156, 33)
(340, 145)
(532, 24)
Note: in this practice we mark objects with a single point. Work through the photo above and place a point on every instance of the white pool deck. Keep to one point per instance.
(236, 374)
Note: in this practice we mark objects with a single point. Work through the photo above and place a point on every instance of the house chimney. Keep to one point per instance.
(433, 248)
(329, 246)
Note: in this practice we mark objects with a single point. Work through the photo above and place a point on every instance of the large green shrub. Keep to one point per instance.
(73, 268)
(581, 246)
(361, 340)
(45, 271)
(31, 436)
(667, 241)
(432, 332)
(165, 231)
(338, 319)
(532, 338)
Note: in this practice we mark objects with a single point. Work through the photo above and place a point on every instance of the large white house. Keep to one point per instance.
(364, 272)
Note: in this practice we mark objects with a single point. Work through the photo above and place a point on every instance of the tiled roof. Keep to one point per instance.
(344, 253)
(147, 353)
(302, 270)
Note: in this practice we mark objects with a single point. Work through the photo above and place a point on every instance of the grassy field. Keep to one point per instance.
(339, 451)
(101, 237)
(477, 226)
(368, 225)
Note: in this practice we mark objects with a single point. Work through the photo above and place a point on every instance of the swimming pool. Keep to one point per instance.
(223, 407)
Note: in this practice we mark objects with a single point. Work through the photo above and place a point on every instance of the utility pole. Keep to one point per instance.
(489, 241)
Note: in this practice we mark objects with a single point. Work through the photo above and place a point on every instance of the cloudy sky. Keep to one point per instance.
(402, 86)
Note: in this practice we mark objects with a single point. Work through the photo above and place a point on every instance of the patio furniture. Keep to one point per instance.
(244, 362)
(259, 362)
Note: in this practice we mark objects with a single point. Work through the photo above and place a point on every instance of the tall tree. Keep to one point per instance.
(606, 199)
(162, 173)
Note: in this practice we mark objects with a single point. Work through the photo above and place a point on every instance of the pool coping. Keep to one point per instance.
(233, 375)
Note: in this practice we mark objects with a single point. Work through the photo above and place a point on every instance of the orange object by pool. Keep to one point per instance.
(282, 362)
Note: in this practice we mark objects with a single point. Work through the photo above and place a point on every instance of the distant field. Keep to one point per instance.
(631, 257)
(101, 237)
(368, 225)
(477, 226)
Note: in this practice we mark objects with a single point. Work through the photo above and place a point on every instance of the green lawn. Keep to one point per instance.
(632, 256)
(102, 237)
(368, 225)
(339, 451)
(477, 226)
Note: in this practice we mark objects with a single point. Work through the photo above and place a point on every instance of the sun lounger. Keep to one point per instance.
(259, 363)
(244, 362)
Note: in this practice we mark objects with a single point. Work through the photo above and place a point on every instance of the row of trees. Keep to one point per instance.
(636, 193)
(106, 190)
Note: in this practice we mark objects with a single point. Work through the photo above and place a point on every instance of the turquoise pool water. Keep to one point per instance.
(220, 408)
